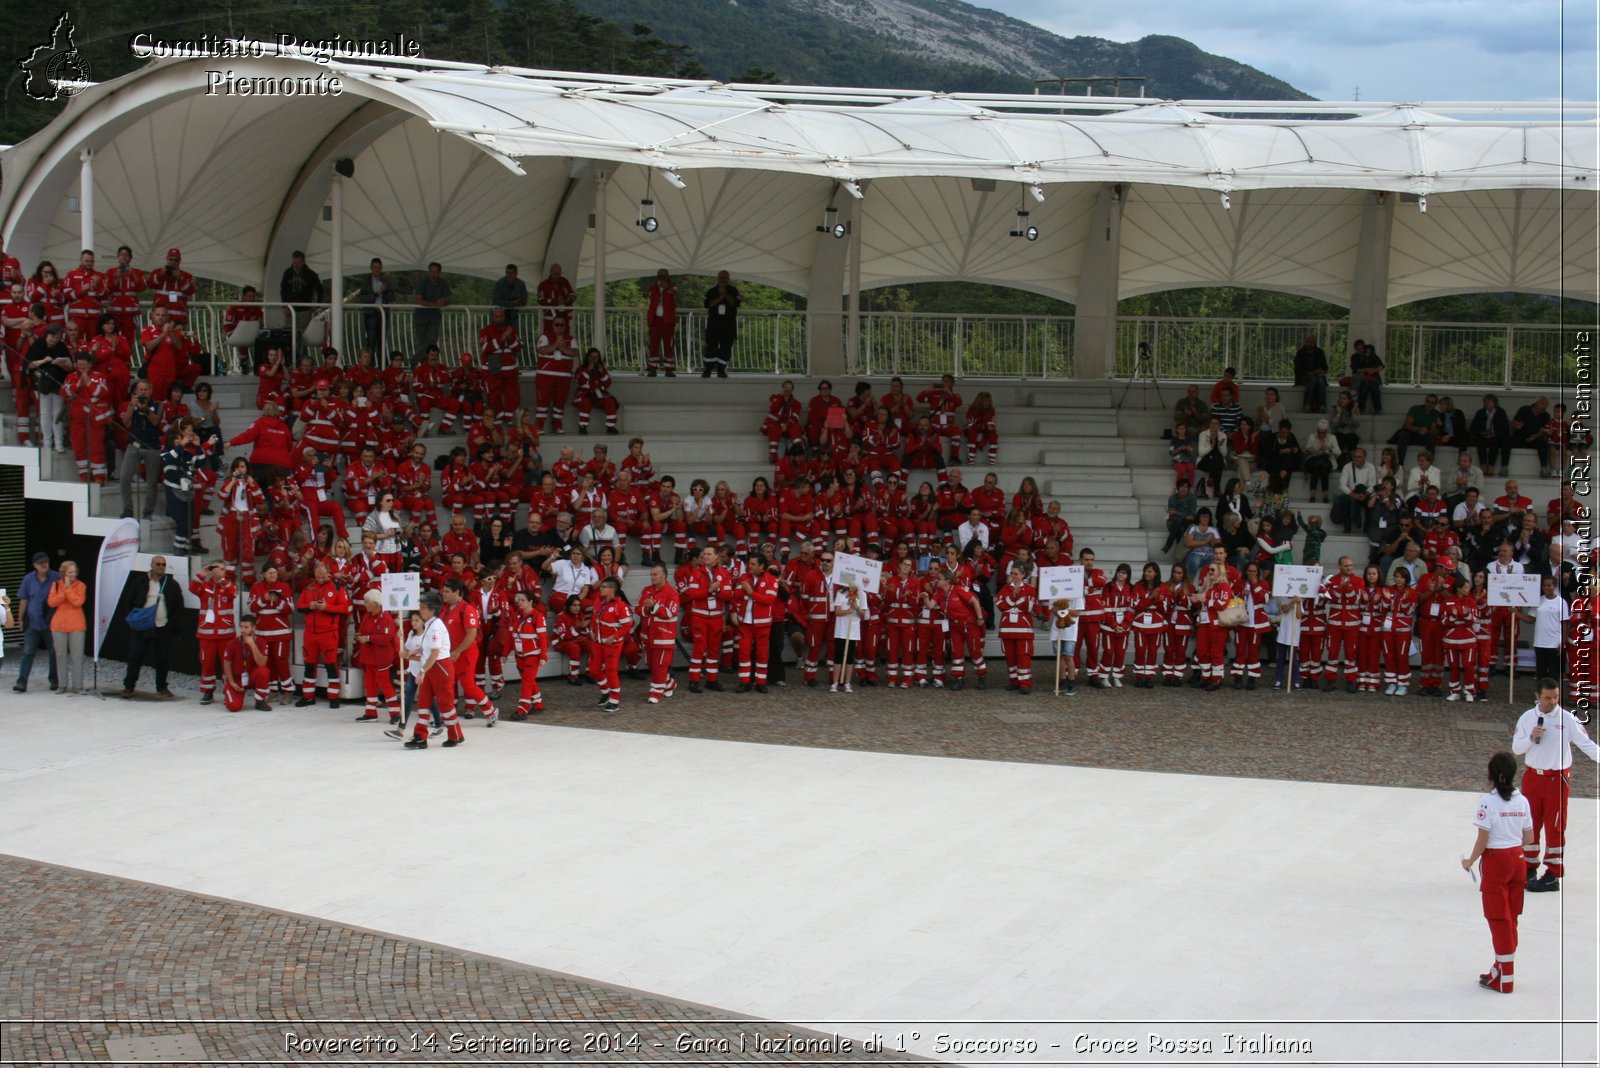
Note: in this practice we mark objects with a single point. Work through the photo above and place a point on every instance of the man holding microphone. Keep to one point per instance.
(1544, 738)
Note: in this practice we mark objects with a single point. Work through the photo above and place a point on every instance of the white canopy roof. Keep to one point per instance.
(479, 167)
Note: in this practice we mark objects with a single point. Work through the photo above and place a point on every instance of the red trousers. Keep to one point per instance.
(504, 394)
(1547, 793)
(88, 447)
(1146, 650)
(659, 351)
(438, 687)
(1504, 882)
(1019, 658)
(258, 680)
(529, 698)
(1502, 632)
(211, 660)
(1113, 652)
(755, 640)
(238, 544)
(1397, 656)
(573, 650)
(551, 392)
(1369, 654)
(320, 649)
(705, 656)
(586, 404)
(1342, 642)
(966, 643)
(1247, 651)
(1461, 665)
(930, 649)
(276, 671)
(1313, 644)
(1175, 658)
(467, 679)
(1210, 649)
(378, 684)
(902, 649)
(1432, 634)
(1089, 644)
(605, 660)
(659, 653)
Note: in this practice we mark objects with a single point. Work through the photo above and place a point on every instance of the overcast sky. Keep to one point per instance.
(1393, 50)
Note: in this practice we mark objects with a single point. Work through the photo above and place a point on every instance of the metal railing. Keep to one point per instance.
(777, 342)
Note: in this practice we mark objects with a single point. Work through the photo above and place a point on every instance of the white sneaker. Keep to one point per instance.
(1468, 696)
(1455, 695)
(833, 687)
(1388, 691)
(847, 688)
(938, 684)
(652, 700)
(1399, 691)
(1116, 682)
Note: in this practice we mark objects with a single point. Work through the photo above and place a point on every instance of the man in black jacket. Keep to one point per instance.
(142, 590)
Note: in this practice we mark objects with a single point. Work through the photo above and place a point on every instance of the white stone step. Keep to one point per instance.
(1088, 426)
(1073, 396)
(1110, 455)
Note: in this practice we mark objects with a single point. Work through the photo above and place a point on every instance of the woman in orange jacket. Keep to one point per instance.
(68, 627)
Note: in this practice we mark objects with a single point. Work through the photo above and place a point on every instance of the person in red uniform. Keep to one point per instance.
(553, 367)
(122, 287)
(315, 478)
(1396, 629)
(215, 627)
(1015, 606)
(270, 602)
(85, 290)
(1505, 825)
(1210, 637)
(500, 351)
(113, 357)
(325, 606)
(435, 385)
(1345, 593)
(760, 608)
(89, 408)
(414, 485)
(705, 590)
(530, 644)
(1180, 626)
(1116, 624)
(1313, 640)
(963, 615)
(1375, 606)
(609, 629)
(556, 298)
(1458, 614)
(943, 403)
(817, 410)
(1090, 618)
(1433, 589)
(240, 501)
(901, 594)
(244, 664)
(173, 288)
(45, 288)
(782, 426)
(168, 353)
(981, 431)
(1149, 626)
(593, 390)
(465, 623)
(797, 515)
(661, 322)
(248, 310)
(436, 678)
(377, 652)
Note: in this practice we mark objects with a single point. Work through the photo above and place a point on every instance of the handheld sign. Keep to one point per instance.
(834, 419)
(1058, 582)
(1513, 591)
(1296, 580)
(857, 571)
(402, 592)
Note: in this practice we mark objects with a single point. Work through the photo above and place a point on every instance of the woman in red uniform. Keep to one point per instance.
(1505, 829)
(593, 388)
(570, 637)
(1015, 606)
(1211, 637)
(902, 593)
(760, 513)
(922, 518)
(1116, 623)
(981, 430)
(1484, 627)
(1313, 641)
(659, 607)
(1149, 625)
(377, 651)
(1180, 626)
(1396, 628)
(240, 500)
(611, 624)
(1249, 636)
(531, 646)
(113, 357)
(1459, 614)
(271, 602)
(1374, 607)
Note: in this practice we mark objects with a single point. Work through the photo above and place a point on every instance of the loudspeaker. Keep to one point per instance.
(345, 167)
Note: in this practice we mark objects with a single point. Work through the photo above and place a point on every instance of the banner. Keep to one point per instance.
(857, 571)
(1296, 580)
(1058, 582)
(402, 592)
(1514, 591)
(111, 575)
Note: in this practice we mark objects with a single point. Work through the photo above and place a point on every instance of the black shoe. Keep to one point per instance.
(1547, 884)
(1250, 683)
(695, 687)
(714, 685)
(761, 687)
(603, 700)
(811, 682)
(672, 374)
(262, 706)
(1012, 686)
(583, 430)
(22, 687)
(518, 717)
(1350, 687)
(955, 685)
(865, 682)
(706, 373)
(573, 680)
(1068, 690)
(650, 373)
(364, 718)
(1213, 687)
(419, 743)
(612, 430)
(722, 372)
(304, 702)
(983, 682)
(334, 703)
(451, 743)
(206, 699)
(1238, 683)
(743, 687)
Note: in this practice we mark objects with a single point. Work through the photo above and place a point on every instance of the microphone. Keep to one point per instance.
(1540, 724)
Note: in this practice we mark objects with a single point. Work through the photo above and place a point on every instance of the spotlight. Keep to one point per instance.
(1227, 202)
(1024, 229)
(672, 179)
(831, 223)
(1038, 192)
(853, 189)
(647, 217)
(1422, 203)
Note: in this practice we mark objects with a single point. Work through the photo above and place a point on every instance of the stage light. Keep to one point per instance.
(1023, 228)
(853, 189)
(1038, 192)
(1227, 202)
(647, 220)
(672, 179)
(831, 223)
(1422, 203)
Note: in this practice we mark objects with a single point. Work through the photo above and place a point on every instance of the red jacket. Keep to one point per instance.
(216, 607)
(323, 622)
(270, 440)
(379, 652)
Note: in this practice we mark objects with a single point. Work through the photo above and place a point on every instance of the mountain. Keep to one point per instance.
(935, 44)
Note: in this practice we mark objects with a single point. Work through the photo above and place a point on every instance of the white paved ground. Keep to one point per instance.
(852, 891)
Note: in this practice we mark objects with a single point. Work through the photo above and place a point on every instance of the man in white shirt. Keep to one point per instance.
(1358, 479)
(1465, 515)
(1544, 738)
(599, 533)
(1423, 475)
(1467, 475)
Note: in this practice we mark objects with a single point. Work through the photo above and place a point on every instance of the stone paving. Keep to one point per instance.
(112, 960)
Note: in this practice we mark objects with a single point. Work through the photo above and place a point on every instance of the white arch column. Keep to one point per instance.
(825, 294)
(1094, 331)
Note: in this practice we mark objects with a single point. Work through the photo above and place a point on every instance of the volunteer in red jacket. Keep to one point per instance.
(123, 285)
(465, 623)
(240, 499)
(216, 629)
(609, 628)
(1210, 637)
(437, 678)
(1345, 593)
(1459, 615)
(325, 606)
(706, 588)
(85, 290)
(1116, 624)
(270, 602)
(782, 426)
(661, 319)
(659, 607)
(1149, 626)
(1015, 606)
(530, 644)
(271, 443)
(500, 351)
(1094, 584)
(174, 289)
(553, 370)
(244, 665)
(760, 588)
(593, 390)
(943, 403)
(89, 407)
(1544, 739)
(1505, 831)
(1396, 628)
(377, 651)
(964, 613)
(902, 595)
